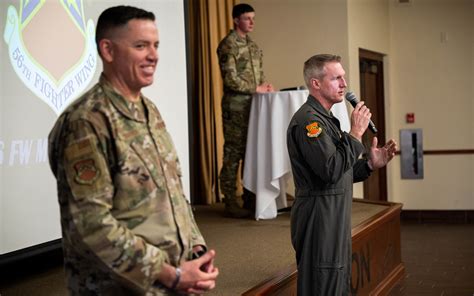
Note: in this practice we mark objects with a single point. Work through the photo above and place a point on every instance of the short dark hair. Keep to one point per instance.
(314, 66)
(240, 9)
(118, 16)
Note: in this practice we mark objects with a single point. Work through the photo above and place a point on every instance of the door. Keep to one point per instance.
(372, 92)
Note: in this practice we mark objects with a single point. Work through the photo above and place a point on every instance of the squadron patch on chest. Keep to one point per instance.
(86, 171)
(314, 130)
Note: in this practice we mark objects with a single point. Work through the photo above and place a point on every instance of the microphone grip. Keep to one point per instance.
(351, 98)
(372, 127)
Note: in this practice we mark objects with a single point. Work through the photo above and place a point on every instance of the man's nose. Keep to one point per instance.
(343, 83)
(153, 53)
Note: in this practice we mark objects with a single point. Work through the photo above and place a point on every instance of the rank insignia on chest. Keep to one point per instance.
(314, 130)
(86, 171)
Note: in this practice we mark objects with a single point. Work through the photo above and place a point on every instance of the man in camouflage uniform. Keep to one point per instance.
(127, 227)
(240, 61)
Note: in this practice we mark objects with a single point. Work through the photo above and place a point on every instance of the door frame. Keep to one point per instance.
(378, 58)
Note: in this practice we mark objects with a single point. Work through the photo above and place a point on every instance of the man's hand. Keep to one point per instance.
(379, 157)
(264, 88)
(199, 275)
(270, 87)
(360, 118)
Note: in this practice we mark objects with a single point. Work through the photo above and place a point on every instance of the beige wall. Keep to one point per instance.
(368, 26)
(423, 74)
(289, 32)
(433, 78)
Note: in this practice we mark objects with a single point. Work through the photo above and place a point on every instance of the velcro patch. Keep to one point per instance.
(314, 130)
(79, 149)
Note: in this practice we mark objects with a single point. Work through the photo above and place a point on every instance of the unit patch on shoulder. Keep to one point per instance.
(86, 171)
(314, 130)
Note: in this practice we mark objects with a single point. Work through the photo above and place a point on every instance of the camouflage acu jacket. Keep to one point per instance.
(123, 211)
(240, 61)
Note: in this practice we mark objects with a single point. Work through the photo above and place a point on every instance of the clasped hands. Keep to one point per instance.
(198, 275)
(265, 88)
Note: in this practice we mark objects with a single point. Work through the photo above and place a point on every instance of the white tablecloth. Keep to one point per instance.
(267, 165)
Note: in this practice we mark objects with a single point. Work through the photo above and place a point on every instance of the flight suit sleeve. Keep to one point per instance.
(328, 159)
(361, 170)
(91, 224)
(235, 74)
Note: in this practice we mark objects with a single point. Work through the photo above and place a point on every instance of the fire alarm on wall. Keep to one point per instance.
(410, 117)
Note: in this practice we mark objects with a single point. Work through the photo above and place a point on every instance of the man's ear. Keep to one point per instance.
(106, 48)
(236, 21)
(315, 83)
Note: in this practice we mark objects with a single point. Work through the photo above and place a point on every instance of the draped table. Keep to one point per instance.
(267, 165)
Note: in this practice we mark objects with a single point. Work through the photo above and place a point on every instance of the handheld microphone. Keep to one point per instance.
(350, 96)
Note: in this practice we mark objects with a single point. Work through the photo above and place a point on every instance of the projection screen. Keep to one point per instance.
(48, 58)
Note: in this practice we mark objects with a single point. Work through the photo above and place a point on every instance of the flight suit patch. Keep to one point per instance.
(86, 171)
(314, 130)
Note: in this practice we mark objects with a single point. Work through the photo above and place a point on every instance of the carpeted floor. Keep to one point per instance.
(248, 251)
(246, 255)
(438, 258)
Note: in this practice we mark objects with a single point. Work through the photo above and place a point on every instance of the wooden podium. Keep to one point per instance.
(376, 256)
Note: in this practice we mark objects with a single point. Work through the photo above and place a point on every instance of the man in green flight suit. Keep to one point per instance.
(240, 62)
(127, 227)
(325, 162)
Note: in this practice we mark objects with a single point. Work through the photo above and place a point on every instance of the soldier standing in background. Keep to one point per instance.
(127, 227)
(240, 61)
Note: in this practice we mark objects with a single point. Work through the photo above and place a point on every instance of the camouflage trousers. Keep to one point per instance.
(235, 118)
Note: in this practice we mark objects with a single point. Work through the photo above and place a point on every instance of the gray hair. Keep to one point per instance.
(314, 66)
